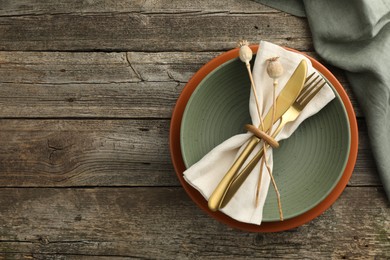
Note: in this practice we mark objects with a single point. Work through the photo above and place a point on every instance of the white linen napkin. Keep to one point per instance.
(206, 174)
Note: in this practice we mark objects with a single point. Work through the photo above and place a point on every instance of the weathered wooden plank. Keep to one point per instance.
(65, 67)
(85, 153)
(142, 31)
(119, 100)
(136, 84)
(163, 222)
(119, 29)
(28, 7)
(365, 171)
(64, 153)
(43, 256)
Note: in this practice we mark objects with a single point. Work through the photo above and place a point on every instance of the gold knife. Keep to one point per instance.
(285, 99)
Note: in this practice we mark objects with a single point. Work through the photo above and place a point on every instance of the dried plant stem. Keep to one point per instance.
(248, 67)
(275, 84)
(277, 196)
(274, 104)
(274, 71)
(264, 158)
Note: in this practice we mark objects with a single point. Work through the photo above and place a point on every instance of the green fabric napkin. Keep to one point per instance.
(355, 36)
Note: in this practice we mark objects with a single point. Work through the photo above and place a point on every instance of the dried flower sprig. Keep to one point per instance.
(274, 71)
(245, 54)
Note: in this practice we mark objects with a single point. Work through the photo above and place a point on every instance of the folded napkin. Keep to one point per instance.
(206, 174)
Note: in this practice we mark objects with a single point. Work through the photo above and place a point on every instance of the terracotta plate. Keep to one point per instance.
(298, 219)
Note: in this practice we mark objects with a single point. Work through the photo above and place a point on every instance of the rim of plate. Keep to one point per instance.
(178, 163)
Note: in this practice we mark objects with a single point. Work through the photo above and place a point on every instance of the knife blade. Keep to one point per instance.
(285, 99)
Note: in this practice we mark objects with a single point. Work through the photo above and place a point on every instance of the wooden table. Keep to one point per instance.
(87, 91)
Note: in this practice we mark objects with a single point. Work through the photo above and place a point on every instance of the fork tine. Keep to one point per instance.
(309, 77)
(310, 83)
(306, 85)
(310, 97)
(308, 89)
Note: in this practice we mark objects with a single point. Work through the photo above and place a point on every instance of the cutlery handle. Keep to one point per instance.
(218, 195)
(240, 177)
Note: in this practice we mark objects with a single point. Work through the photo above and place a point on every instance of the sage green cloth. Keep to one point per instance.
(354, 35)
(294, 7)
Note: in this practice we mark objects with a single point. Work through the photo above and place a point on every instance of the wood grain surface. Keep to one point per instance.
(100, 84)
(162, 222)
(87, 89)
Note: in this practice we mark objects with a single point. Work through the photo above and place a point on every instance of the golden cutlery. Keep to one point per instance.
(285, 99)
(311, 88)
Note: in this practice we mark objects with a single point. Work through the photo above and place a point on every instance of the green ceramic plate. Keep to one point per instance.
(307, 166)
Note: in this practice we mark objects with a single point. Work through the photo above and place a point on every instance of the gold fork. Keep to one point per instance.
(310, 89)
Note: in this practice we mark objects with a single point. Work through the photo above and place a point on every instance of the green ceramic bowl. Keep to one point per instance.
(307, 166)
